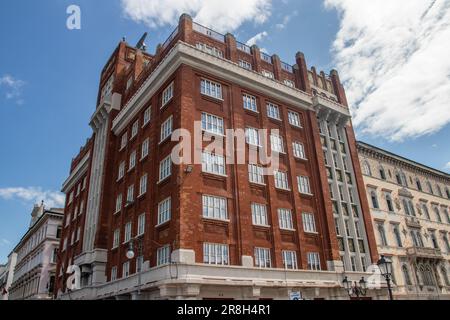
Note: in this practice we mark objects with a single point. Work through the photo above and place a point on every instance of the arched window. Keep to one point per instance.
(429, 276)
(382, 234)
(406, 276)
(425, 211)
(430, 187)
(418, 184)
(374, 198)
(382, 173)
(398, 177)
(406, 207)
(366, 169)
(389, 203)
(445, 276)
(438, 214)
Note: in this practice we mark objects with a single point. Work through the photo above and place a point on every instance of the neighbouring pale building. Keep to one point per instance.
(215, 229)
(6, 276)
(410, 205)
(37, 251)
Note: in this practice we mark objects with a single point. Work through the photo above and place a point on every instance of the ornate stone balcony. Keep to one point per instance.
(427, 253)
(413, 222)
(330, 110)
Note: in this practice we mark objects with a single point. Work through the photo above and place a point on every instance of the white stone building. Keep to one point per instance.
(410, 206)
(6, 276)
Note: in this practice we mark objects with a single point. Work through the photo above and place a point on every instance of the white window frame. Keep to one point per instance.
(121, 173)
(256, 174)
(126, 270)
(309, 222)
(285, 219)
(294, 119)
(211, 89)
(281, 180)
(273, 111)
(165, 168)
(216, 254)
(132, 163)
(119, 203)
(143, 185)
(141, 225)
(290, 261)
(250, 103)
(289, 83)
(164, 211)
(277, 143)
(214, 207)
(134, 129)
(124, 141)
(299, 150)
(213, 124)
(114, 273)
(166, 129)
(130, 194)
(304, 185)
(167, 95)
(116, 239)
(145, 148)
(147, 116)
(210, 49)
(268, 74)
(213, 164)
(252, 137)
(245, 65)
(263, 258)
(259, 215)
(163, 256)
(128, 232)
(314, 261)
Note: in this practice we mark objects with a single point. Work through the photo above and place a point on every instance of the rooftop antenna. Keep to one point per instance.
(141, 44)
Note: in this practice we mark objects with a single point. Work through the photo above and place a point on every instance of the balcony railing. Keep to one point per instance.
(171, 37)
(210, 33)
(287, 67)
(419, 252)
(265, 57)
(243, 47)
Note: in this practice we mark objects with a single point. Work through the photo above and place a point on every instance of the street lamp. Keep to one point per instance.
(355, 289)
(385, 265)
(131, 253)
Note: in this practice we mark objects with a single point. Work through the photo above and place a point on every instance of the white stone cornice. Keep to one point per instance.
(183, 53)
(77, 173)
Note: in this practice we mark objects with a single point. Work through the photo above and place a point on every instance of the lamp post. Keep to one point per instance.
(355, 289)
(131, 254)
(385, 265)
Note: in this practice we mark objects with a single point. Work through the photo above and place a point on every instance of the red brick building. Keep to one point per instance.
(215, 229)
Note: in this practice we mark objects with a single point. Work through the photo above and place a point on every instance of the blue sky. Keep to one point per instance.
(49, 78)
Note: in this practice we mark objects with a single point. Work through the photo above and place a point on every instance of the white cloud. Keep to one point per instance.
(257, 38)
(34, 195)
(393, 57)
(447, 166)
(286, 20)
(4, 242)
(12, 87)
(221, 15)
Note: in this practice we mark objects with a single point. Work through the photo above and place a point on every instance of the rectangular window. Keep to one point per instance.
(209, 50)
(70, 197)
(215, 208)
(165, 168)
(143, 185)
(84, 183)
(130, 194)
(64, 244)
(214, 164)
(256, 174)
(116, 239)
(118, 203)
(215, 254)
(124, 141)
(211, 89)
(81, 208)
(163, 255)
(259, 215)
(78, 234)
(127, 232)
(141, 225)
(164, 209)
(262, 258)
(277, 143)
(281, 180)
(250, 103)
(309, 223)
(167, 95)
(121, 171)
(145, 148)
(304, 186)
(135, 129)
(299, 150)
(147, 116)
(252, 136)
(132, 163)
(273, 111)
(212, 124)
(166, 129)
(294, 119)
(113, 273)
(268, 74)
(290, 260)
(314, 261)
(245, 65)
(285, 219)
(126, 269)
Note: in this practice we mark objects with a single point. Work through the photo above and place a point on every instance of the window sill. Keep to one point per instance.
(168, 138)
(283, 190)
(296, 127)
(162, 181)
(165, 104)
(287, 230)
(143, 158)
(257, 185)
(251, 112)
(259, 226)
(304, 160)
(218, 221)
(277, 121)
(214, 176)
(307, 195)
(145, 124)
(213, 99)
(162, 225)
(310, 233)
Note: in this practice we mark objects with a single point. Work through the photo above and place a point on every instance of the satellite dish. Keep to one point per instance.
(141, 43)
